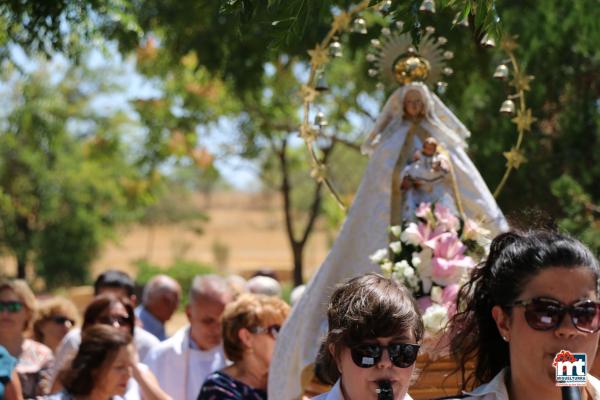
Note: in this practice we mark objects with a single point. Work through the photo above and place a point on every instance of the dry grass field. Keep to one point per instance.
(248, 226)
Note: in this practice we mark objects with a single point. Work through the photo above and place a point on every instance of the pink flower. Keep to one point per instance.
(449, 298)
(423, 211)
(449, 293)
(445, 218)
(419, 234)
(449, 262)
(424, 303)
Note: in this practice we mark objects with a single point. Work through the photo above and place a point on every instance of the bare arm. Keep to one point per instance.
(12, 390)
(149, 387)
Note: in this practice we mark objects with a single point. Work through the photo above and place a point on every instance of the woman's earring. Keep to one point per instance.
(505, 338)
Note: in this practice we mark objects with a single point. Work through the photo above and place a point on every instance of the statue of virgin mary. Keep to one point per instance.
(412, 115)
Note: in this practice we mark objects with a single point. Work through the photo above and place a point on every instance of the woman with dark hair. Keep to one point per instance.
(372, 341)
(117, 312)
(536, 295)
(101, 368)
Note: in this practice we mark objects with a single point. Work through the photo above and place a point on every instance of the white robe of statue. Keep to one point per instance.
(365, 229)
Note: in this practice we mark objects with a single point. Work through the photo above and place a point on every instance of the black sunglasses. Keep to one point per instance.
(367, 355)
(542, 314)
(120, 321)
(11, 306)
(272, 330)
(62, 320)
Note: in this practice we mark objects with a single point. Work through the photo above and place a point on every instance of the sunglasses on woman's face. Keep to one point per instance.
(542, 314)
(60, 320)
(367, 355)
(115, 321)
(12, 307)
(272, 330)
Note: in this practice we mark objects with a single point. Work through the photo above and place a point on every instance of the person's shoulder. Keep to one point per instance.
(72, 338)
(171, 345)
(58, 396)
(142, 335)
(219, 385)
(38, 350)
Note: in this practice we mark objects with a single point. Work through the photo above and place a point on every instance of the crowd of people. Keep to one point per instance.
(120, 349)
(514, 314)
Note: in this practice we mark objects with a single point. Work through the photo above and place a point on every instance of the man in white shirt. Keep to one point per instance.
(182, 362)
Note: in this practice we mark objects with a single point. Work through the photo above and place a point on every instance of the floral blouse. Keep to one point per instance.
(220, 386)
(33, 368)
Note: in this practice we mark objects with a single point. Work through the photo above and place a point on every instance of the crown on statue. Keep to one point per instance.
(410, 67)
(396, 61)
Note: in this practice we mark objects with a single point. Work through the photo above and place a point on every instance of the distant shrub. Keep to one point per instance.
(183, 271)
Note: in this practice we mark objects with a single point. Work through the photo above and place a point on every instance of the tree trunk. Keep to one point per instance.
(21, 265)
(297, 250)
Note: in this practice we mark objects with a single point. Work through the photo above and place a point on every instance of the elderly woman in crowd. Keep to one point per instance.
(250, 326)
(17, 310)
(54, 319)
(101, 368)
(536, 294)
(373, 340)
(108, 309)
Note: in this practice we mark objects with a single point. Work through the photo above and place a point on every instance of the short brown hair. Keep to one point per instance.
(99, 347)
(50, 308)
(249, 311)
(367, 307)
(23, 291)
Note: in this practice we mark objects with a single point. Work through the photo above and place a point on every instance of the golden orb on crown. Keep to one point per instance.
(410, 67)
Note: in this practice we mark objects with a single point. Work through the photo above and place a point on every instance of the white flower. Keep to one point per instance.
(416, 260)
(400, 266)
(436, 294)
(379, 256)
(473, 231)
(423, 267)
(396, 247)
(396, 230)
(411, 235)
(387, 267)
(435, 318)
(413, 281)
(408, 273)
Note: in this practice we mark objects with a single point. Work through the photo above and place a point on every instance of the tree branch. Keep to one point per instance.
(317, 198)
(285, 191)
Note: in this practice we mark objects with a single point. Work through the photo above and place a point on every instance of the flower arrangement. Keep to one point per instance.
(432, 257)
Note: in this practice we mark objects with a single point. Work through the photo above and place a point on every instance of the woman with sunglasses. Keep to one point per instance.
(372, 341)
(17, 309)
(54, 319)
(536, 295)
(108, 309)
(250, 326)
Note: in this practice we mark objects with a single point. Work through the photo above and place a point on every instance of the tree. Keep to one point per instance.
(61, 172)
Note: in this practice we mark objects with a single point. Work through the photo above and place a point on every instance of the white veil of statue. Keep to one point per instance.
(365, 229)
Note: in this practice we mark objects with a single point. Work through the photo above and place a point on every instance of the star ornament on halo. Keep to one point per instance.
(308, 133)
(524, 119)
(514, 158)
(318, 56)
(341, 21)
(521, 82)
(308, 93)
